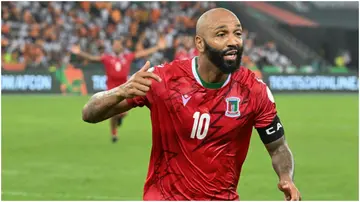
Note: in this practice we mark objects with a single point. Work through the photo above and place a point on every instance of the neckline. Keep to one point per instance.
(204, 83)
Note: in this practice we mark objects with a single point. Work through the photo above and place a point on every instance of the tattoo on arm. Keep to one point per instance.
(282, 158)
(100, 104)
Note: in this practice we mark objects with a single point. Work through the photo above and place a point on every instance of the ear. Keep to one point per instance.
(199, 43)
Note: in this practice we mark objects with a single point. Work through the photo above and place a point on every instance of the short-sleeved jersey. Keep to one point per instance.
(200, 136)
(117, 68)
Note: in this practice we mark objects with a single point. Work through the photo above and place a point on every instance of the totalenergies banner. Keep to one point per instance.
(70, 80)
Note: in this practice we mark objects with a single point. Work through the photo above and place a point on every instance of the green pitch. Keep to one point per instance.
(48, 153)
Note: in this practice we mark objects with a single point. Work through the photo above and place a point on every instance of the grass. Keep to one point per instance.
(48, 153)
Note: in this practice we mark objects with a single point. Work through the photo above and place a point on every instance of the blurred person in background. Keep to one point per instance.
(342, 59)
(186, 48)
(117, 67)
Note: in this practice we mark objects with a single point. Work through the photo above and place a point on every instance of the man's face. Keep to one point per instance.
(227, 60)
(223, 44)
(271, 45)
(117, 46)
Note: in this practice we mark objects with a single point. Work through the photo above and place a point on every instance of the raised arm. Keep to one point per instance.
(77, 51)
(106, 104)
(160, 46)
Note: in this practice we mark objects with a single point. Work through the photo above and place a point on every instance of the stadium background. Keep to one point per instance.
(307, 52)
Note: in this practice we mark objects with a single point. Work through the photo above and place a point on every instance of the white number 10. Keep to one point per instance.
(198, 125)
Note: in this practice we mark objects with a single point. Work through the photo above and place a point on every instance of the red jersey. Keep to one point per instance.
(117, 68)
(182, 54)
(200, 136)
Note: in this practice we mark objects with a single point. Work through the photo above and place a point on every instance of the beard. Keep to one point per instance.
(217, 58)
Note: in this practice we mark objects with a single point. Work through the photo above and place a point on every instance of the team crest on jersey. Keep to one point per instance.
(232, 107)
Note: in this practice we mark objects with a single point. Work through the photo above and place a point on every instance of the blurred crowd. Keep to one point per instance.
(261, 55)
(41, 34)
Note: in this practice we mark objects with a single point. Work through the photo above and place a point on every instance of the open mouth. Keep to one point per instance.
(230, 55)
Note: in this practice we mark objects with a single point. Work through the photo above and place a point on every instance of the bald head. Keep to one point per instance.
(219, 39)
(212, 17)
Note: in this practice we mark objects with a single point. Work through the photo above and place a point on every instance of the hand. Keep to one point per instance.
(75, 49)
(139, 83)
(162, 43)
(290, 191)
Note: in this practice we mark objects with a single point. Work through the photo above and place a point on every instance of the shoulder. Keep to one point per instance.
(248, 78)
(106, 56)
(245, 76)
(169, 73)
(259, 93)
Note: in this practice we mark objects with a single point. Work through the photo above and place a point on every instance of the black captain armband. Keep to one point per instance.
(272, 132)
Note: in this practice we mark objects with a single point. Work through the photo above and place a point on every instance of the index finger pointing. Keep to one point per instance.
(145, 67)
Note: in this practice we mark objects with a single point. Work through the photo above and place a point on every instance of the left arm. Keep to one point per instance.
(282, 159)
(271, 132)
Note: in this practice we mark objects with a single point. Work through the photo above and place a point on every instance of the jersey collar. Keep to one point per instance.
(203, 83)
